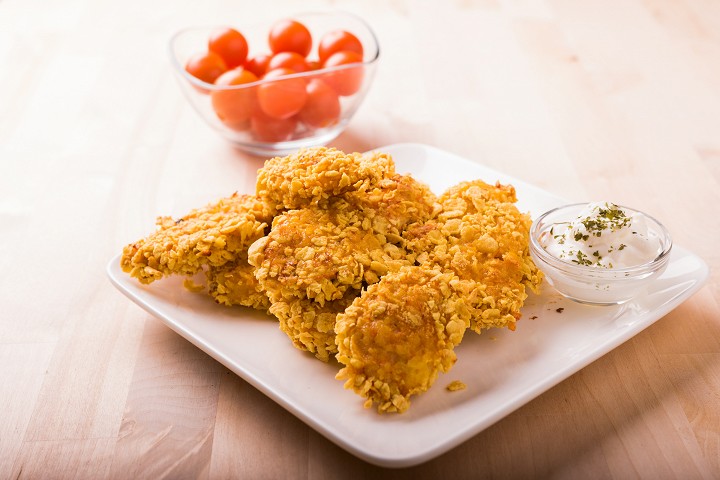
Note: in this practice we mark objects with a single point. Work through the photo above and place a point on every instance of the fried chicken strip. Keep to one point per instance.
(482, 238)
(213, 235)
(399, 335)
(314, 174)
(394, 203)
(320, 253)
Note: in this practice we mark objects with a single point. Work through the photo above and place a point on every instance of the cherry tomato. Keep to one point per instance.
(290, 36)
(293, 61)
(314, 65)
(258, 64)
(338, 41)
(281, 98)
(230, 45)
(269, 129)
(206, 66)
(322, 107)
(234, 107)
(346, 81)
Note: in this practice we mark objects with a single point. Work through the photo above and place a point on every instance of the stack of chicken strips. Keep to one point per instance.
(357, 262)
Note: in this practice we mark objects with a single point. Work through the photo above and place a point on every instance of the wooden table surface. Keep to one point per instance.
(587, 99)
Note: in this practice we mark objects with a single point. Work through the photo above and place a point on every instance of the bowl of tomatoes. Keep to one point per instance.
(273, 88)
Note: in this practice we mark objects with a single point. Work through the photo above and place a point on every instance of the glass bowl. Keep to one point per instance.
(591, 284)
(260, 134)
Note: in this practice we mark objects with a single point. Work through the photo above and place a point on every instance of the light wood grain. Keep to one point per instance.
(587, 99)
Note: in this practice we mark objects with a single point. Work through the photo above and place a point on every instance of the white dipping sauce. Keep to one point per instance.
(603, 235)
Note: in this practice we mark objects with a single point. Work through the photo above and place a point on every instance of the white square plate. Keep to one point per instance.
(502, 370)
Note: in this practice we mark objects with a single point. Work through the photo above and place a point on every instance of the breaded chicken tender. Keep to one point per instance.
(483, 239)
(320, 253)
(235, 284)
(311, 326)
(394, 203)
(314, 174)
(213, 235)
(399, 335)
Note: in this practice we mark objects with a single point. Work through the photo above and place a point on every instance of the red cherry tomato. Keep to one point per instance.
(338, 41)
(234, 107)
(314, 65)
(290, 36)
(347, 81)
(230, 45)
(269, 129)
(258, 64)
(293, 61)
(322, 108)
(206, 66)
(281, 98)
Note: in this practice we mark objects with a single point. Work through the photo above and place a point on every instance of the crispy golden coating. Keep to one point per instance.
(311, 326)
(213, 235)
(314, 174)
(455, 386)
(394, 203)
(399, 334)
(319, 254)
(473, 196)
(235, 284)
(482, 238)
(361, 263)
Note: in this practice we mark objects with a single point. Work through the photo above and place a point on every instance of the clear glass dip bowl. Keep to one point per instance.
(190, 41)
(591, 284)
